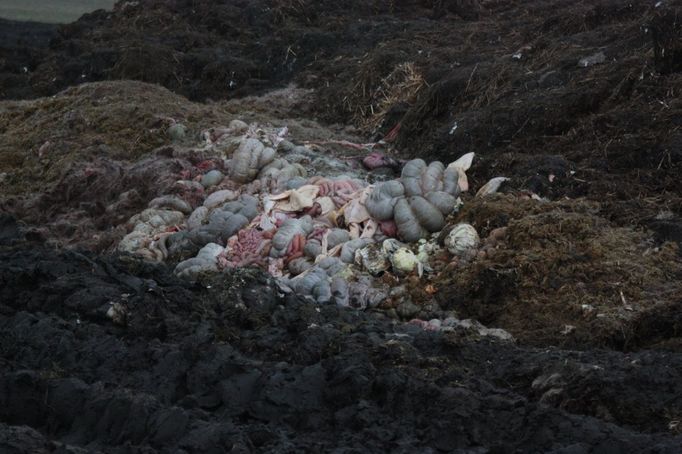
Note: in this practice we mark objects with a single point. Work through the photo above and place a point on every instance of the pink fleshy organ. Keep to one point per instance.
(248, 247)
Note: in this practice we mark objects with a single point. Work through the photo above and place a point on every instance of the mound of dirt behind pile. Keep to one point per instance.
(207, 49)
(568, 98)
(123, 121)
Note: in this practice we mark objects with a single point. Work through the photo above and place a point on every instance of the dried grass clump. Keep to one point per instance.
(370, 105)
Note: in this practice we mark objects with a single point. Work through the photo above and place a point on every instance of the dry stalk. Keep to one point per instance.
(401, 85)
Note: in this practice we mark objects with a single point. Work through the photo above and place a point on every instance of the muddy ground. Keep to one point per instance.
(233, 365)
(588, 280)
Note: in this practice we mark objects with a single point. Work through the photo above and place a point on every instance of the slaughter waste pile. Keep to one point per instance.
(312, 220)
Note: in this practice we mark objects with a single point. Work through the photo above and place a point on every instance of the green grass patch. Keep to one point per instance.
(50, 11)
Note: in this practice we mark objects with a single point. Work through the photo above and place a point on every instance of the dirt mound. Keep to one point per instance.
(120, 120)
(577, 100)
(592, 83)
(64, 160)
(207, 49)
(563, 275)
(105, 355)
(22, 47)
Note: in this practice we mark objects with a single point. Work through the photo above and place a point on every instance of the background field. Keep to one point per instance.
(51, 11)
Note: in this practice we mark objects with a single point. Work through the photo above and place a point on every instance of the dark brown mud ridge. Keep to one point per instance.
(577, 102)
(233, 365)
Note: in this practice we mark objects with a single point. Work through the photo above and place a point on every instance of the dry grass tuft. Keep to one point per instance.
(370, 104)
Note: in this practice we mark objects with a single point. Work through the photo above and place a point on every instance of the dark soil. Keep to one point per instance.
(234, 365)
(588, 281)
(22, 47)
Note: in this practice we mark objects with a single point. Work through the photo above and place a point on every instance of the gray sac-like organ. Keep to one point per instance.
(419, 201)
(249, 159)
(381, 202)
(286, 233)
(216, 225)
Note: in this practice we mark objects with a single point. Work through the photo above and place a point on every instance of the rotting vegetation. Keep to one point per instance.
(563, 271)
